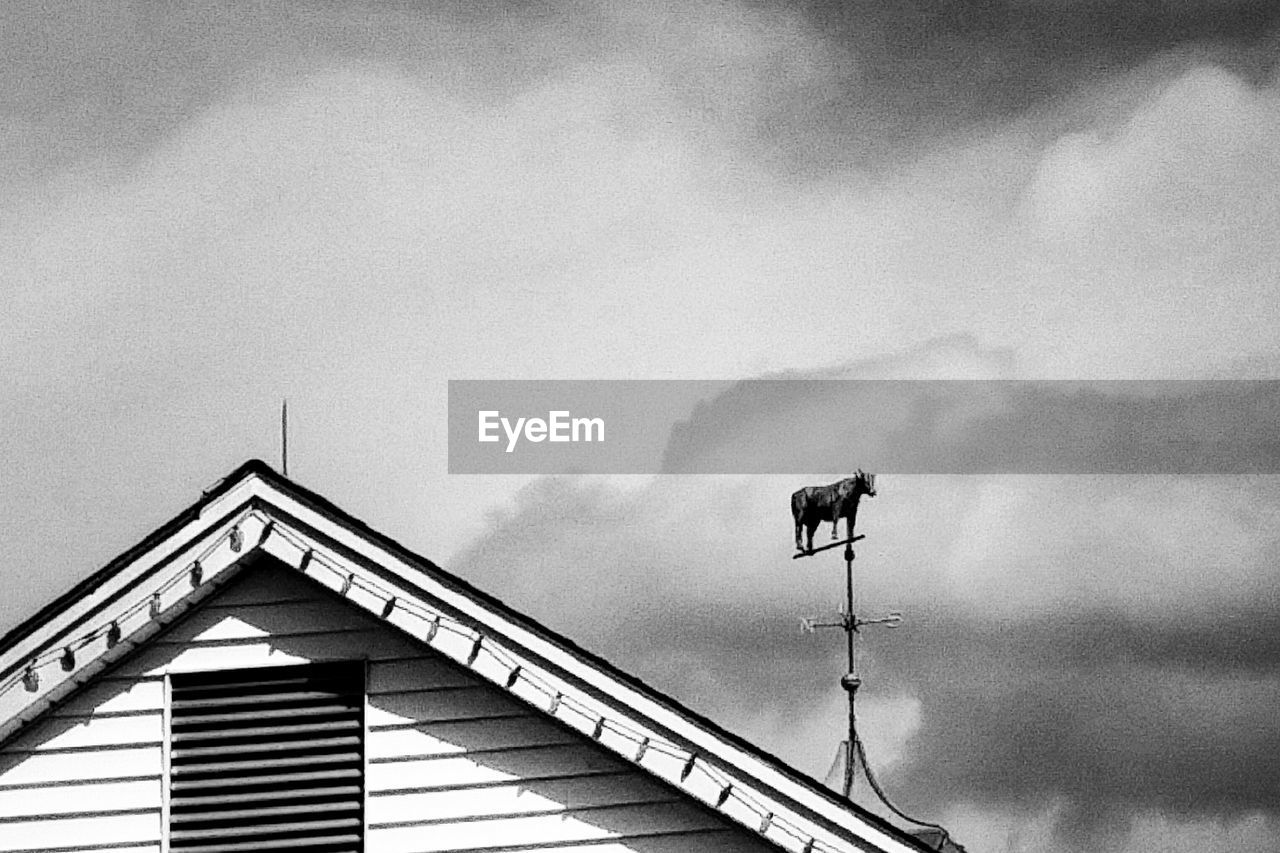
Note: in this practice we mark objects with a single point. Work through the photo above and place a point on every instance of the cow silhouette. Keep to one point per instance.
(813, 505)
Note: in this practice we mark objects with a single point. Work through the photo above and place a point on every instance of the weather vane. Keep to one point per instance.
(810, 507)
(813, 505)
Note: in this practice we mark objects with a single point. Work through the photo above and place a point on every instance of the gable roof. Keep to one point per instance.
(255, 513)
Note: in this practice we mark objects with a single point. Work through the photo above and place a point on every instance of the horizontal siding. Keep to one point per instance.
(473, 702)
(469, 770)
(253, 595)
(101, 847)
(107, 696)
(527, 796)
(100, 829)
(720, 840)
(288, 617)
(34, 768)
(99, 796)
(278, 651)
(88, 776)
(452, 737)
(577, 825)
(91, 732)
(453, 763)
(416, 673)
(457, 764)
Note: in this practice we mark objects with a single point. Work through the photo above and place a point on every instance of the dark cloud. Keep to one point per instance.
(840, 83)
(104, 81)
(981, 426)
(1099, 711)
(902, 76)
(970, 59)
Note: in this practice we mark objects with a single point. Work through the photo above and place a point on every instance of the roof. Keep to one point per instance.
(254, 512)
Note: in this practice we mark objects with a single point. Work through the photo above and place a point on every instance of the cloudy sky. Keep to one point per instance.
(348, 204)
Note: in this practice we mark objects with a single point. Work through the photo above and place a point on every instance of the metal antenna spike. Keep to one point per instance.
(284, 437)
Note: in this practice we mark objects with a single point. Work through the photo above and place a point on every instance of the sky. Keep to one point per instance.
(204, 210)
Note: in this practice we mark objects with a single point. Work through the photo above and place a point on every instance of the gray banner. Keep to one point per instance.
(884, 426)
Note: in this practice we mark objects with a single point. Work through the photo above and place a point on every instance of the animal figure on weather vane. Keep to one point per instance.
(813, 505)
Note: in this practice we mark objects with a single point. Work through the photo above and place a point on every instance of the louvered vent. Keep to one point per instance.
(268, 759)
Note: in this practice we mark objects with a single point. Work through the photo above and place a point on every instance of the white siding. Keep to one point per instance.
(453, 763)
(88, 777)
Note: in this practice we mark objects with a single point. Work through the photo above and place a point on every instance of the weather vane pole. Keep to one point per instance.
(810, 507)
